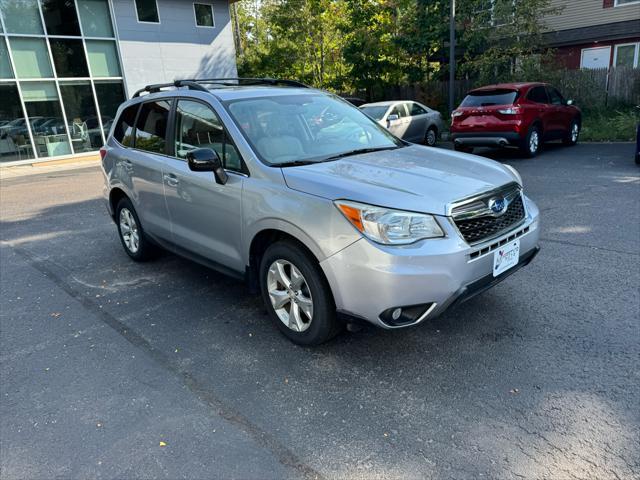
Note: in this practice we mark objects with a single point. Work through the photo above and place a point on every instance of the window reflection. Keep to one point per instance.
(14, 136)
(110, 95)
(68, 57)
(95, 18)
(45, 118)
(84, 126)
(60, 17)
(21, 16)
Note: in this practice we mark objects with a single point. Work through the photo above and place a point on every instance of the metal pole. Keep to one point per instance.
(452, 55)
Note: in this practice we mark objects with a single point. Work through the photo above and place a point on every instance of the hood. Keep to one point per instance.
(415, 178)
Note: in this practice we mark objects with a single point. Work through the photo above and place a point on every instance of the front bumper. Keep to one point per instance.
(368, 279)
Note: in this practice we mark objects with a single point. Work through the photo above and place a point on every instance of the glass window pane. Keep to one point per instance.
(5, 63)
(198, 126)
(124, 128)
(110, 96)
(80, 108)
(45, 118)
(624, 55)
(204, 15)
(147, 11)
(68, 58)
(60, 17)
(21, 16)
(30, 57)
(151, 126)
(103, 58)
(14, 136)
(95, 18)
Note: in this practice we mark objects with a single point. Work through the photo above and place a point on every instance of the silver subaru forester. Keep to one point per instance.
(333, 219)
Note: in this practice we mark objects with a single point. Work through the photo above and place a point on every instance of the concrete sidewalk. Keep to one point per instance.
(37, 168)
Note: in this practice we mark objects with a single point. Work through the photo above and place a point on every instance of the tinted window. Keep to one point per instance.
(68, 58)
(538, 95)
(204, 15)
(60, 17)
(110, 96)
(556, 98)
(417, 110)
(147, 11)
(198, 126)
(487, 98)
(124, 128)
(399, 110)
(151, 126)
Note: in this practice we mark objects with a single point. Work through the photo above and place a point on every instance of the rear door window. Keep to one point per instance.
(151, 126)
(538, 95)
(417, 110)
(487, 98)
(399, 110)
(123, 131)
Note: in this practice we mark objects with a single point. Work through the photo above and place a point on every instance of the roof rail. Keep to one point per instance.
(194, 84)
(190, 84)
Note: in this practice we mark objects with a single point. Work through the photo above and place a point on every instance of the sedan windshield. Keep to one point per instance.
(300, 129)
(375, 112)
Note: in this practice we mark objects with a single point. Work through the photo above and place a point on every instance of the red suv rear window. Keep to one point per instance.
(487, 98)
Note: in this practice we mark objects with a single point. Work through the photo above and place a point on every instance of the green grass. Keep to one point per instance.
(609, 125)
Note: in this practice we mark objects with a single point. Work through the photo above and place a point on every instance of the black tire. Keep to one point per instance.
(462, 148)
(431, 137)
(569, 139)
(323, 324)
(527, 147)
(145, 250)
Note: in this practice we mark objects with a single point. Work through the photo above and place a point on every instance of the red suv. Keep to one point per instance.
(517, 114)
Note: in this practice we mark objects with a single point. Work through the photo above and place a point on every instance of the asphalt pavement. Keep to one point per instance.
(112, 369)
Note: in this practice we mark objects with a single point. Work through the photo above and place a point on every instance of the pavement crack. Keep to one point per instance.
(582, 245)
(262, 437)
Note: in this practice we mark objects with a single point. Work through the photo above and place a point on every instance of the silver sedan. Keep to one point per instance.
(408, 120)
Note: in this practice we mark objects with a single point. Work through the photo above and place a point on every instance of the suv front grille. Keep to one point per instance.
(482, 224)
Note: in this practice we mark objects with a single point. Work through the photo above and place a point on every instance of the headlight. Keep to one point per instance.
(515, 172)
(387, 226)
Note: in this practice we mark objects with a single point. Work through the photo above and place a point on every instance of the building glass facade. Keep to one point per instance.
(60, 77)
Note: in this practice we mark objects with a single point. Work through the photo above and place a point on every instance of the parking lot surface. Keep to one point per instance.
(168, 370)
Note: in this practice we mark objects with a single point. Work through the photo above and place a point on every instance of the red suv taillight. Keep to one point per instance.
(103, 152)
(510, 111)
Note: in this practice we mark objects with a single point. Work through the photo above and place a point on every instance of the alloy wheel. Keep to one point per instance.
(431, 137)
(534, 141)
(290, 295)
(129, 230)
(575, 131)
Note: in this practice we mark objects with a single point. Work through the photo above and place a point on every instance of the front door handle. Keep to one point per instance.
(171, 179)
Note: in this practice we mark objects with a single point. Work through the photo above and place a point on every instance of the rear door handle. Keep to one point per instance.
(171, 179)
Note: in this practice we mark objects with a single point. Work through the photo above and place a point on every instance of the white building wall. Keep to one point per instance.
(175, 48)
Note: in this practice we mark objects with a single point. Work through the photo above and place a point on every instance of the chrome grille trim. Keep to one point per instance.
(477, 223)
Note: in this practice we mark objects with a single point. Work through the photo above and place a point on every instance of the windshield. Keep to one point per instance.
(489, 97)
(375, 112)
(294, 129)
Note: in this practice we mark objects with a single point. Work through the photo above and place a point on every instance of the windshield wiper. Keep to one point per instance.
(294, 163)
(358, 151)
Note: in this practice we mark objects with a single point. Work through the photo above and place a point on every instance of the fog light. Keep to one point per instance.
(396, 313)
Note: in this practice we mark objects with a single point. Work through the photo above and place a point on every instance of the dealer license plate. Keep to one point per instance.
(506, 257)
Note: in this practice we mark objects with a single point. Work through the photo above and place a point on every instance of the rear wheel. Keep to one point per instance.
(431, 137)
(296, 294)
(531, 145)
(572, 135)
(132, 236)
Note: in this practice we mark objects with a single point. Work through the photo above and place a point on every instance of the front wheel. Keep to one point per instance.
(531, 145)
(573, 133)
(296, 294)
(431, 137)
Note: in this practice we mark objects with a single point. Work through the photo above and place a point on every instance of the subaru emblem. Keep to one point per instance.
(498, 205)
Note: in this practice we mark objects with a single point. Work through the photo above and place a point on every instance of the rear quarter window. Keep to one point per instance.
(123, 131)
(487, 98)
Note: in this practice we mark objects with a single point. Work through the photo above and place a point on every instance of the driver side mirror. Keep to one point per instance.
(392, 118)
(570, 102)
(207, 160)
